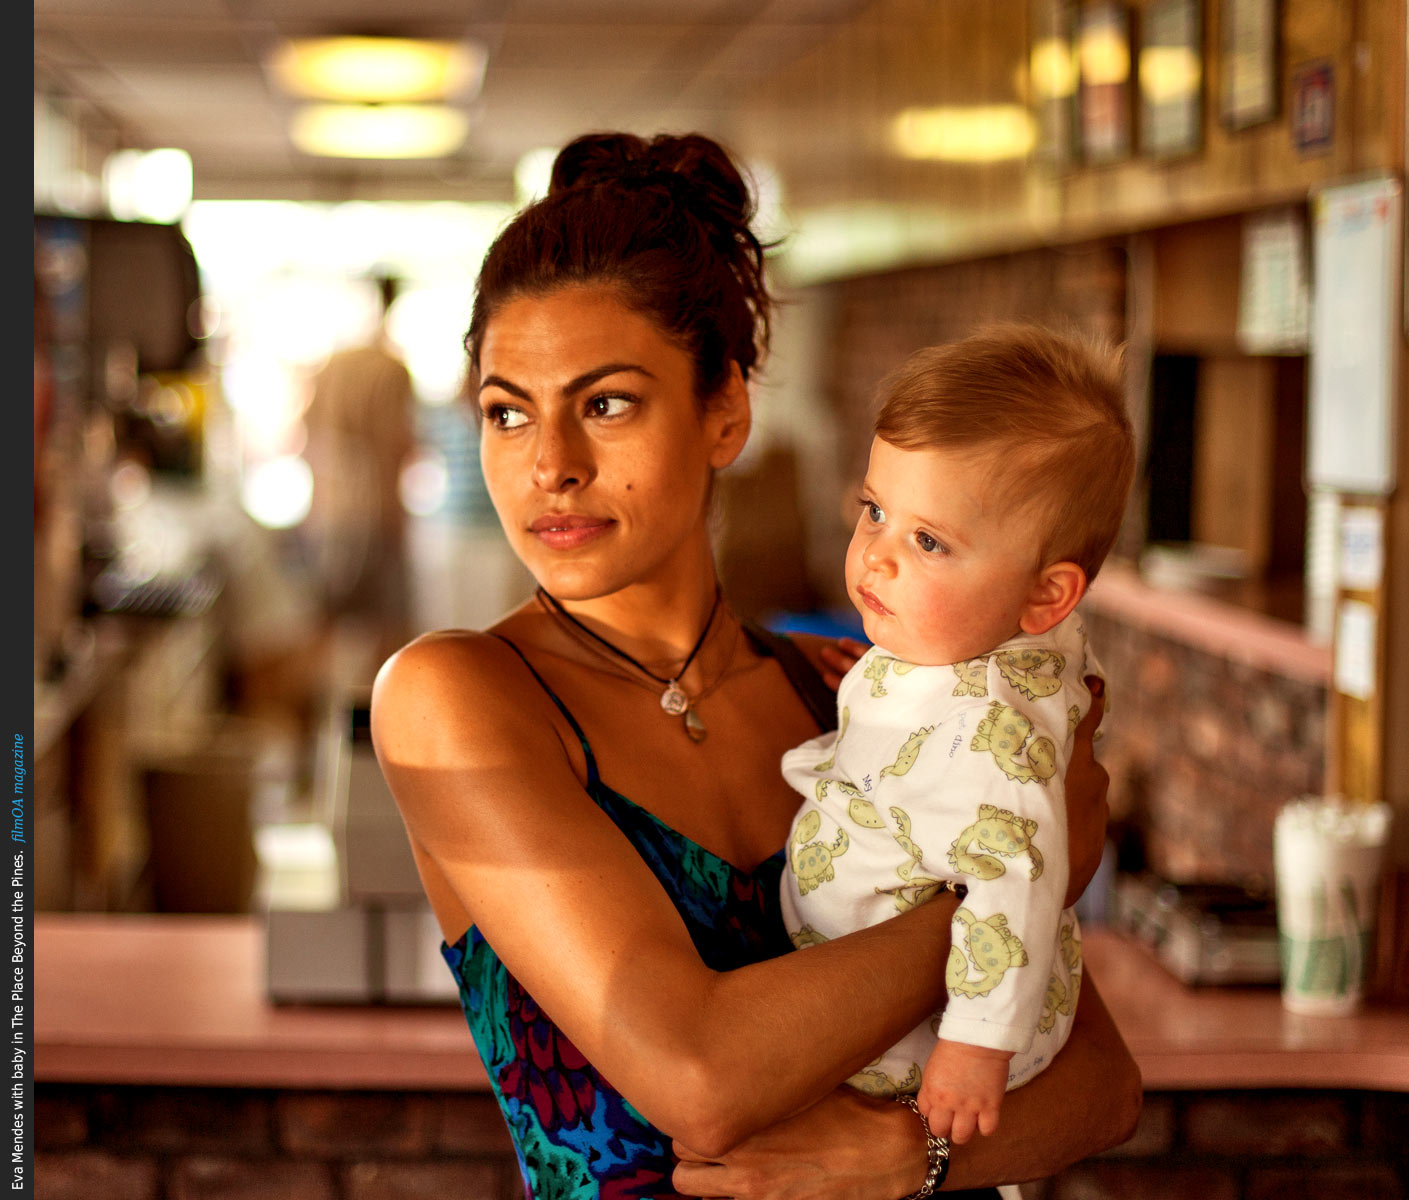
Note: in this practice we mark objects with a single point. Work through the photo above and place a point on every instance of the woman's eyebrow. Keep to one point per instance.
(588, 378)
(585, 380)
(503, 384)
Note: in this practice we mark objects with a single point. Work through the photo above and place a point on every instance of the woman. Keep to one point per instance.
(592, 787)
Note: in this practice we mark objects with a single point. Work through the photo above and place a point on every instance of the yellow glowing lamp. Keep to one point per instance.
(379, 130)
(378, 69)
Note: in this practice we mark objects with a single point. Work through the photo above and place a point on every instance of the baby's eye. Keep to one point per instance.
(609, 405)
(874, 513)
(929, 543)
(501, 416)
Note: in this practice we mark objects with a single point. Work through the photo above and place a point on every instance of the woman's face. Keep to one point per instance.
(595, 452)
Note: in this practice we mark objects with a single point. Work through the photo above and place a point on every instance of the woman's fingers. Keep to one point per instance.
(838, 658)
(1087, 784)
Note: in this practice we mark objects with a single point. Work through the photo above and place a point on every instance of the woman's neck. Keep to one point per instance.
(656, 624)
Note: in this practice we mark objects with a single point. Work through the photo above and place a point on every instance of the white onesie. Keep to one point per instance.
(951, 773)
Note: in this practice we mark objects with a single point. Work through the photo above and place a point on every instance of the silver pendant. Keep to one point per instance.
(694, 726)
(673, 700)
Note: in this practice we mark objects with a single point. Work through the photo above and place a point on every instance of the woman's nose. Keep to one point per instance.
(561, 462)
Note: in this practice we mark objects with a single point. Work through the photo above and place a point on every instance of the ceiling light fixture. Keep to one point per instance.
(379, 130)
(378, 69)
(971, 133)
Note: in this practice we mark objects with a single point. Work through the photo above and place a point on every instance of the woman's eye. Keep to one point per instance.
(609, 405)
(501, 416)
(930, 544)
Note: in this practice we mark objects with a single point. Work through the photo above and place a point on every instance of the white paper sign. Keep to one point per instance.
(1355, 650)
(1350, 426)
(1273, 294)
(1362, 548)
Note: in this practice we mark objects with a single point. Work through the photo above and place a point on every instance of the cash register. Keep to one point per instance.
(347, 921)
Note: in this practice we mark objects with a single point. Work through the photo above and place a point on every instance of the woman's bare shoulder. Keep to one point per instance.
(446, 691)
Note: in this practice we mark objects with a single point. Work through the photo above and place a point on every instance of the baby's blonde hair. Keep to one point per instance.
(1046, 413)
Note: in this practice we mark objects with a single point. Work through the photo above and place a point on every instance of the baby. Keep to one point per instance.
(997, 483)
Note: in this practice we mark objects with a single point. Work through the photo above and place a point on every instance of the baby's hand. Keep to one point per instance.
(962, 1089)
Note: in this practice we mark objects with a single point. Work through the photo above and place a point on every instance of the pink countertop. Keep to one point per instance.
(1239, 1037)
(1214, 626)
(180, 1000)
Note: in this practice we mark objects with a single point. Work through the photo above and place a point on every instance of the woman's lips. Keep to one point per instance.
(872, 603)
(563, 531)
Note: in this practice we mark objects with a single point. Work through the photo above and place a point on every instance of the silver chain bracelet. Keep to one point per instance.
(937, 1148)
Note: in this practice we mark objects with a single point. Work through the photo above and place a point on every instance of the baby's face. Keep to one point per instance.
(938, 568)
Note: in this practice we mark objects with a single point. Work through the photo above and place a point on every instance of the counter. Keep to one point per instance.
(179, 1000)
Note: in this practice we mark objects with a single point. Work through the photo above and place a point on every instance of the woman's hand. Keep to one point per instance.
(1087, 810)
(838, 658)
(847, 1146)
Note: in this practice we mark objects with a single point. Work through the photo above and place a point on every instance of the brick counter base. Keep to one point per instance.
(162, 1143)
(1251, 1145)
(167, 1143)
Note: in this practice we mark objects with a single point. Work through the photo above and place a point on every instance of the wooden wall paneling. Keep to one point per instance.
(1389, 96)
(825, 121)
(1234, 455)
(1196, 276)
(1380, 86)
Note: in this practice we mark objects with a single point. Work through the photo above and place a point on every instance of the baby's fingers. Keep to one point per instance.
(937, 1111)
(962, 1129)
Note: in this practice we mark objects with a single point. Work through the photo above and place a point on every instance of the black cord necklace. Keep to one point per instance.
(673, 700)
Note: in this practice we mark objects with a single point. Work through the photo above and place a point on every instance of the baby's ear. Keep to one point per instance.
(1057, 590)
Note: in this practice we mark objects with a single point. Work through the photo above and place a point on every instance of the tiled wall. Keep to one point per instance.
(1261, 1145)
(1202, 752)
(160, 1143)
(136, 1143)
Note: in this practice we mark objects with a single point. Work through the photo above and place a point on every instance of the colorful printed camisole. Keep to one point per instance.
(575, 1135)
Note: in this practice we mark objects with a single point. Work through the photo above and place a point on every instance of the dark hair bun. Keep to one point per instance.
(689, 167)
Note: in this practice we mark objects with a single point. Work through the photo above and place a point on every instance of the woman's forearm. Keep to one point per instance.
(852, 1147)
(1086, 1101)
(805, 1022)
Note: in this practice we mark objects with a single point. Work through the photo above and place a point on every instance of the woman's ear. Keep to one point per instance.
(728, 419)
(1058, 589)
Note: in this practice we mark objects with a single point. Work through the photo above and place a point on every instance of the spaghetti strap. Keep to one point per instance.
(807, 681)
(592, 777)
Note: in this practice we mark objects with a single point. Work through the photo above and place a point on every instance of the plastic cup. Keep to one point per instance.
(1328, 859)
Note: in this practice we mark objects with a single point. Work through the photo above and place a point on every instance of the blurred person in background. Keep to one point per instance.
(361, 433)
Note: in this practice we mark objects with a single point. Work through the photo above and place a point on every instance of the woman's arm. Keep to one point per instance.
(853, 1147)
(506, 837)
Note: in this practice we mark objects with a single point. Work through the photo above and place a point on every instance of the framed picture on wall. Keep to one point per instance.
(1247, 55)
(1169, 79)
(1103, 52)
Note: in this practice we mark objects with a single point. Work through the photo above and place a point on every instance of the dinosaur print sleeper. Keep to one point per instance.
(948, 775)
